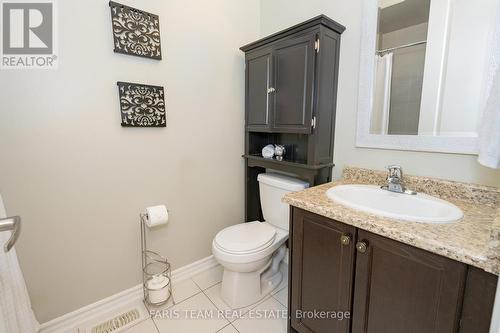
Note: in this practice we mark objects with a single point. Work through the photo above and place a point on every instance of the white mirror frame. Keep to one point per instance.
(444, 144)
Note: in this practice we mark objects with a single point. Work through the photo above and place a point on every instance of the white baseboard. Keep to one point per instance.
(115, 303)
(188, 271)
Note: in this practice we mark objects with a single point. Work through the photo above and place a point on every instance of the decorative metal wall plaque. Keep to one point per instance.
(142, 105)
(135, 32)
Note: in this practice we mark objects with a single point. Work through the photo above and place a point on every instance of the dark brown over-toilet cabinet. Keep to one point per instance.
(280, 85)
(291, 77)
(385, 285)
(290, 99)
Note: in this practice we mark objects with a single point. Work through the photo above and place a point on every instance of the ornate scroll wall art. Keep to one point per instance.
(142, 105)
(135, 32)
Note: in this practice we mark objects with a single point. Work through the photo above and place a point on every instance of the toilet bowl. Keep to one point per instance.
(251, 252)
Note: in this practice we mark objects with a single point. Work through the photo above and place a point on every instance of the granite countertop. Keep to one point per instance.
(474, 240)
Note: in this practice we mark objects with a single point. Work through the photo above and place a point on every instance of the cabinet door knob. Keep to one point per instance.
(362, 246)
(270, 90)
(345, 240)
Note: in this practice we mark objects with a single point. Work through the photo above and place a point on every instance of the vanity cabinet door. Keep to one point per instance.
(321, 272)
(293, 61)
(399, 288)
(479, 299)
(258, 96)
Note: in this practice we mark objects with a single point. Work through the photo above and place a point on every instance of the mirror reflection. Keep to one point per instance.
(430, 66)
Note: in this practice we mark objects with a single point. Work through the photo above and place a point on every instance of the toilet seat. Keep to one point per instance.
(228, 256)
(245, 238)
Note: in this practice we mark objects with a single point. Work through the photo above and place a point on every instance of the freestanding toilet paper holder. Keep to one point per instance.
(156, 273)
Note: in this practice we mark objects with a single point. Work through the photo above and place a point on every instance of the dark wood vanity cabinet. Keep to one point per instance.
(387, 286)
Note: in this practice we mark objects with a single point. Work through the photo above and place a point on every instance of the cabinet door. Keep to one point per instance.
(400, 288)
(322, 272)
(258, 76)
(293, 84)
(479, 299)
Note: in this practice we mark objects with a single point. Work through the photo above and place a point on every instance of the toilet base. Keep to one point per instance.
(243, 289)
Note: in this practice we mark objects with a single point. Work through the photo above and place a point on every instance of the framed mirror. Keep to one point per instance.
(424, 73)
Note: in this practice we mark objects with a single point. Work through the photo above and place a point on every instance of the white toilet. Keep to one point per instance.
(251, 252)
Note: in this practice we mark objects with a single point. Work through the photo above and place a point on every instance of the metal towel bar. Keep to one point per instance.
(13, 224)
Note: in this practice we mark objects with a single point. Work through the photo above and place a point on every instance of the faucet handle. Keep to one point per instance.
(395, 171)
(395, 181)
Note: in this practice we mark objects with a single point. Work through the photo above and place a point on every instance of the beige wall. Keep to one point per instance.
(79, 180)
(279, 14)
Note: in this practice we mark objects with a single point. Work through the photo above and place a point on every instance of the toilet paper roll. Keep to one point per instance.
(157, 215)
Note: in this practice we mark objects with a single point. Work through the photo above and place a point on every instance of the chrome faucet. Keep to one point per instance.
(395, 181)
(11, 224)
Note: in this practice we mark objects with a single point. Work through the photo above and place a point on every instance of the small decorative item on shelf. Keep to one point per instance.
(156, 273)
(135, 32)
(279, 151)
(268, 151)
(142, 105)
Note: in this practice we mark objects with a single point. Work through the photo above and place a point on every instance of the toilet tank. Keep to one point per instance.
(272, 188)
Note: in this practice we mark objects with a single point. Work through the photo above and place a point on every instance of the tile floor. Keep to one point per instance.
(199, 308)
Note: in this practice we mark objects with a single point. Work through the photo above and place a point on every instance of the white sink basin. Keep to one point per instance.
(417, 208)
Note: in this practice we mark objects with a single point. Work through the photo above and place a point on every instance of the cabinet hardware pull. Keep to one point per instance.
(271, 90)
(345, 240)
(362, 246)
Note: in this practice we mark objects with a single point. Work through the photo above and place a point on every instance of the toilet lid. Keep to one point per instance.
(246, 237)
